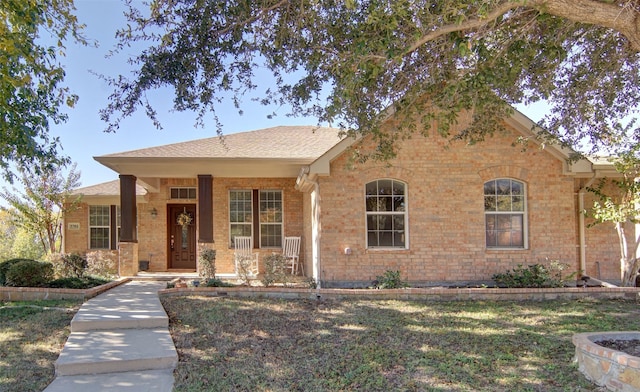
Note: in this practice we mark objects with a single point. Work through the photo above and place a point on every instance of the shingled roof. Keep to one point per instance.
(282, 142)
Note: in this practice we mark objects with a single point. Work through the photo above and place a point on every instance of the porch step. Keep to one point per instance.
(116, 310)
(144, 381)
(121, 350)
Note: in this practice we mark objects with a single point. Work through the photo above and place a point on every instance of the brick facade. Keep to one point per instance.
(445, 229)
(446, 212)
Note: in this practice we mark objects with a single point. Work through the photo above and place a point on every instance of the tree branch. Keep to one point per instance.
(622, 19)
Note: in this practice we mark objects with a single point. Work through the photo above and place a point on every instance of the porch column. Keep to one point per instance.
(128, 243)
(128, 208)
(205, 208)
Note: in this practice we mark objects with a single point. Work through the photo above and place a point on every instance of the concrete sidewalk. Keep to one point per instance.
(119, 341)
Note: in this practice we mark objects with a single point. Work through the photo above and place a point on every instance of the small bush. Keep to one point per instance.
(275, 267)
(4, 268)
(29, 273)
(68, 265)
(207, 261)
(390, 280)
(86, 282)
(534, 276)
(217, 283)
(102, 263)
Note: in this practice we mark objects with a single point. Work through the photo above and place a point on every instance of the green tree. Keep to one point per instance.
(16, 242)
(31, 94)
(621, 206)
(353, 63)
(40, 206)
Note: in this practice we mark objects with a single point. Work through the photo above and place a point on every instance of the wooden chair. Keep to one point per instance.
(246, 261)
(291, 252)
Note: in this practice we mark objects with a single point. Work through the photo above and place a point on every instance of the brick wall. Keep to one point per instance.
(446, 212)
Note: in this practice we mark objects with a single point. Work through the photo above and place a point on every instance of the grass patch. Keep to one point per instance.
(31, 337)
(279, 345)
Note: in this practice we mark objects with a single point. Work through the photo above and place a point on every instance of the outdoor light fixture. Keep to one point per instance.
(154, 213)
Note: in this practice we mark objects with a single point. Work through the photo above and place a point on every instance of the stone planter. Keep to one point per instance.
(606, 367)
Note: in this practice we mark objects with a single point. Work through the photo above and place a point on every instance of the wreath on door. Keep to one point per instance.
(184, 219)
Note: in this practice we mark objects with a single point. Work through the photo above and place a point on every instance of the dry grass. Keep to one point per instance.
(31, 337)
(229, 344)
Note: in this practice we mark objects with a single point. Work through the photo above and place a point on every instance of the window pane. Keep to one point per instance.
(504, 203)
(504, 230)
(490, 203)
(490, 188)
(99, 238)
(517, 188)
(503, 187)
(271, 236)
(385, 187)
(517, 203)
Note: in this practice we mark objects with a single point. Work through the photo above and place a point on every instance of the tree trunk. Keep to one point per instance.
(629, 261)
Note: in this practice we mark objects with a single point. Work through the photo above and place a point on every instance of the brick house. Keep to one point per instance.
(441, 214)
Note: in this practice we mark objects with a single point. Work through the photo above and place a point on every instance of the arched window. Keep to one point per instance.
(505, 213)
(385, 206)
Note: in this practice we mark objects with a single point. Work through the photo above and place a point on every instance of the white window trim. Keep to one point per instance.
(525, 218)
(406, 218)
(281, 224)
(108, 226)
(238, 223)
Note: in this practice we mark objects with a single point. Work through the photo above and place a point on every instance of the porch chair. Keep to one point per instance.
(291, 252)
(246, 261)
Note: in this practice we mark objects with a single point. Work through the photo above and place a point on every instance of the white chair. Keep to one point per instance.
(246, 260)
(291, 252)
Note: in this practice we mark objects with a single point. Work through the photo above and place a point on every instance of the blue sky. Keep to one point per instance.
(83, 136)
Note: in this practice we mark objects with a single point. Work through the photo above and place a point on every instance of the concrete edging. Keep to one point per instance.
(42, 293)
(415, 294)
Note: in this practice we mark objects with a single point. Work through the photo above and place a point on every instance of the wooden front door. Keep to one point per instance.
(181, 243)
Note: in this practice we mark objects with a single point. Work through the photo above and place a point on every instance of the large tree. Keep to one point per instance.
(32, 38)
(350, 63)
(39, 206)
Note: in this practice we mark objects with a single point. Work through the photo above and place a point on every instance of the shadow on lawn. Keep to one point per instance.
(31, 336)
(279, 345)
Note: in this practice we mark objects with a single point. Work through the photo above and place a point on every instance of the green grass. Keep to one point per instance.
(31, 337)
(277, 345)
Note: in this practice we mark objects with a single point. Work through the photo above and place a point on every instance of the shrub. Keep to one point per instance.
(86, 282)
(67, 265)
(275, 266)
(4, 268)
(390, 280)
(534, 276)
(207, 261)
(214, 282)
(29, 273)
(102, 263)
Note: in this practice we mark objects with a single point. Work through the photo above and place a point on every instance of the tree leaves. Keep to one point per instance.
(30, 79)
(346, 63)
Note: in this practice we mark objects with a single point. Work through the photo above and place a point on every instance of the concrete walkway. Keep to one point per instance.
(119, 341)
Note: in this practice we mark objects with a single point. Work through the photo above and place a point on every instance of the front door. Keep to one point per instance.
(182, 236)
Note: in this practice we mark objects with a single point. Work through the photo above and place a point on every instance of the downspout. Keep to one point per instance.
(583, 240)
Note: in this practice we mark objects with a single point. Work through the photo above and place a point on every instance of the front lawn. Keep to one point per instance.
(280, 345)
(31, 337)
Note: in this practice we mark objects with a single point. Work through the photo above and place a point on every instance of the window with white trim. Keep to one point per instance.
(262, 206)
(385, 206)
(505, 213)
(99, 227)
(270, 219)
(240, 214)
